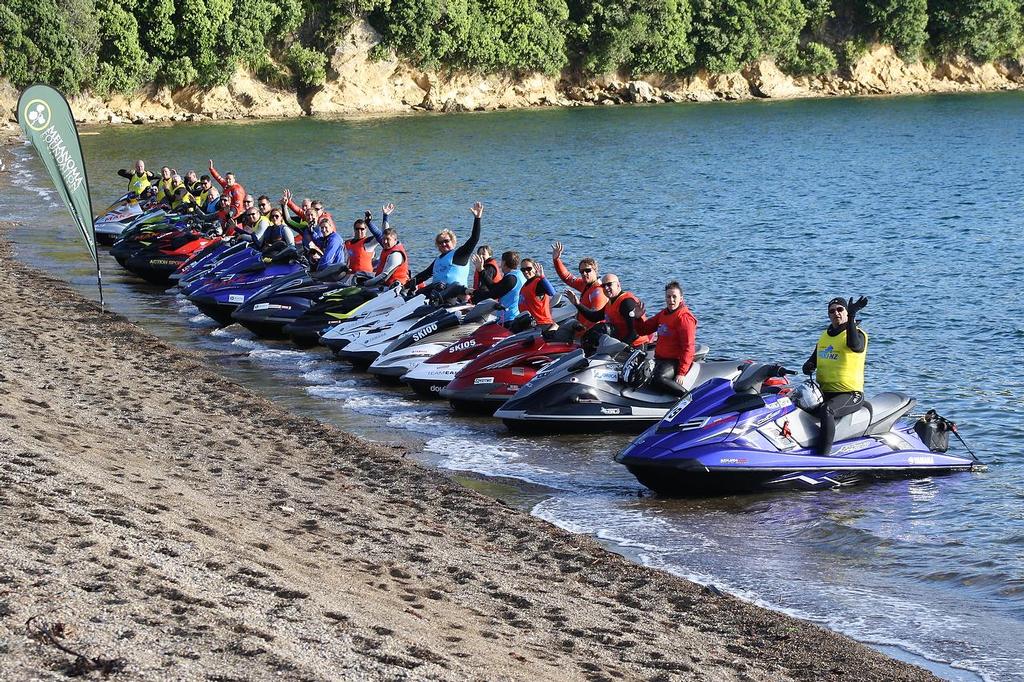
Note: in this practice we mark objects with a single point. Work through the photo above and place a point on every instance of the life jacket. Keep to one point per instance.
(139, 183)
(401, 273)
(840, 370)
(613, 316)
(184, 200)
(493, 262)
(510, 301)
(164, 189)
(538, 305)
(445, 270)
(592, 297)
(359, 259)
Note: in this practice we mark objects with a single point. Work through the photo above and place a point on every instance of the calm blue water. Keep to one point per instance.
(763, 211)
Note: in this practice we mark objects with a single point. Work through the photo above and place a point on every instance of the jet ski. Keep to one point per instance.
(238, 256)
(406, 313)
(432, 335)
(265, 314)
(162, 258)
(203, 260)
(140, 234)
(361, 352)
(600, 391)
(741, 435)
(429, 377)
(217, 299)
(117, 217)
(336, 307)
(487, 381)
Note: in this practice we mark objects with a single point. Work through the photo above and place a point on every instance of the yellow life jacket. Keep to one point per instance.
(840, 370)
(138, 183)
(184, 200)
(164, 189)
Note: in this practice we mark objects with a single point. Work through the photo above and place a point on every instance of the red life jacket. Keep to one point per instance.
(401, 273)
(613, 316)
(538, 305)
(592, 296)
(493, 262)
(359, 259)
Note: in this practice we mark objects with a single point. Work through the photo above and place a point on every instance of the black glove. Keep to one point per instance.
(367, 215)
(854, 307)
(808, 368)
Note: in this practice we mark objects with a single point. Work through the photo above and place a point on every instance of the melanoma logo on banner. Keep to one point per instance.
(37, 113)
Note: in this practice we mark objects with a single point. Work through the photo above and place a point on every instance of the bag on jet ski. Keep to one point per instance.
(933, 431)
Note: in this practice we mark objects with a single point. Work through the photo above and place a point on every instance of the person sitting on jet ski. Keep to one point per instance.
(536, 294)
(234, 194)
(506, 289)
(622, 312)
(139, 179)
(182, 200)
(192, 183)
(275, 235)
(486, 263)
(208, 195)
(165, 185)
(393, 264)
(451, 266)
(591, 294)
(677, 334)
(839, 358)
(360, 249)
(334, 246)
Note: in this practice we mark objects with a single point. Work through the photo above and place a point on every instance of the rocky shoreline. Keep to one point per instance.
(162, 520)
(359, 85)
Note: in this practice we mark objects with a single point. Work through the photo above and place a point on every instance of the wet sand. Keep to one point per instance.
(159, 516)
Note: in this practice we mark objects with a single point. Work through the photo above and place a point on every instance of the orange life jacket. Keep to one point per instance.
(359, 259)
(592, 296)
(401, 273)
(613, 316)
(493, 262)
(538, 305)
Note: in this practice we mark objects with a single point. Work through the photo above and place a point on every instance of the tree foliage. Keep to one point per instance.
(110, 46)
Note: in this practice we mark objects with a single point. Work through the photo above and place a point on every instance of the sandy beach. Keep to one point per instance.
(164, 521)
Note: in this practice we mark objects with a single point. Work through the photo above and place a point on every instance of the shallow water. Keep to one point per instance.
(763, 211)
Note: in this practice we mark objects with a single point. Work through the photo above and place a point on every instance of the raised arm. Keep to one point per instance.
(465, 251)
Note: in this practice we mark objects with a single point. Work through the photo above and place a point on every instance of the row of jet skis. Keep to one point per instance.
(743, 427)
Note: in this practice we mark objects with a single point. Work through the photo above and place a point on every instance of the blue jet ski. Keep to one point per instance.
(745, 435)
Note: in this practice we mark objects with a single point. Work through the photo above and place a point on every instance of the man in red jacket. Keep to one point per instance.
(233, 196)
(677, 336)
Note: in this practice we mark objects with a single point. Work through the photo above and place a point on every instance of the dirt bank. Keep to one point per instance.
(173, 522)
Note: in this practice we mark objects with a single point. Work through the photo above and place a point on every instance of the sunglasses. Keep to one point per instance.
(835, 310)
(360, 229)
(444, 241)
(586, 271)
(526, 269)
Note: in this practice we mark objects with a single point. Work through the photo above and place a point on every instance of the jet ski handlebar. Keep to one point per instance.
(752, 375)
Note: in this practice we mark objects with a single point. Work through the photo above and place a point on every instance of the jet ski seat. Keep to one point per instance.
(330, 273)
(481, 310)
(874, 418)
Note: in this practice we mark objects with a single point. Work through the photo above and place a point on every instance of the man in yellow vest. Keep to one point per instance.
(839, 359)
(139, 179)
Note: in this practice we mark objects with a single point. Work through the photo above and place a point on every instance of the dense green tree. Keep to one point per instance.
(732, 33)
(983, 29)
(42, 35)
(123, 65)
(640, 35)
(901, 23)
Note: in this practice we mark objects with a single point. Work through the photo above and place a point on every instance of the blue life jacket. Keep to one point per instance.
(448, 272)
(334, 250)
(510, 301)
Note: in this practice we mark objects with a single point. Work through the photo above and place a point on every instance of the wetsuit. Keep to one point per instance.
(535, 298)
(453, 267)
(275, 234)
(673, 353)
(591, 294)
(839, 358)
(622, 313)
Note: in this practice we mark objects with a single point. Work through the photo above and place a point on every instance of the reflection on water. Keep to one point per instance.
(764, 212)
